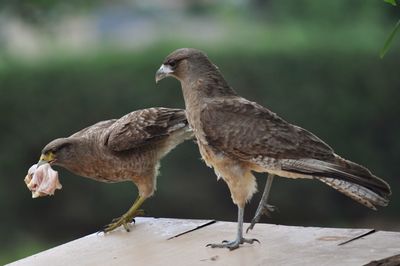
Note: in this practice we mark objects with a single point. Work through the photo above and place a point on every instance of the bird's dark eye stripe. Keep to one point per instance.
(171, 63)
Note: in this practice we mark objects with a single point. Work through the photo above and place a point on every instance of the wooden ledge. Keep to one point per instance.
(154, 241)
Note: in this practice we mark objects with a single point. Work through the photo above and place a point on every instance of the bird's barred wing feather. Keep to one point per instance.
(144, 127)
(93, 130)
(245, 129)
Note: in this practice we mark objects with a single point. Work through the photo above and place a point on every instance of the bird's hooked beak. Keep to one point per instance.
(46, 158)
(163, 72)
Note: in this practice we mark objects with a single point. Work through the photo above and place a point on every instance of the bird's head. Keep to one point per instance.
(59, 152)
(193, 68)
(183, 63)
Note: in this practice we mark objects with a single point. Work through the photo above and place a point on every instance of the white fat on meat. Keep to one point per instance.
(42, 180)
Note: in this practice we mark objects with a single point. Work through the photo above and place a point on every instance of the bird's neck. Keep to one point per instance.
(205, 85)
(200, 89)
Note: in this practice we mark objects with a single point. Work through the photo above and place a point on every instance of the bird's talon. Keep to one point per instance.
(126, 226)
(265, 210)
(140, 212)
(231, 245)
(251, 226)
(254, 240)
(125, 220)
(117, 222)
(269, 208)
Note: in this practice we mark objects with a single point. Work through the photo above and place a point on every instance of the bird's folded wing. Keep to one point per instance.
(144, 127)
(93, 130)
(245, 129)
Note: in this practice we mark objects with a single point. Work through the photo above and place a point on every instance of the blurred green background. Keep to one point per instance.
(65, 65)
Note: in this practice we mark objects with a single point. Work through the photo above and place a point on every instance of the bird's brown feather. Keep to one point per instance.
(144, 127)
(125, 149)
(94, 129)
(232, 129)
(244, 129)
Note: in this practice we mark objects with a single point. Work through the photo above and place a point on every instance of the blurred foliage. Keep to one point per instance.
(348, 99)
(40, 11)
(389, 40)
(392, 34)
(314, 64)
(392, 2)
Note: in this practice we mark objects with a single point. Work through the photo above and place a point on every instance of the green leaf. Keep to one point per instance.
(390, 39)
(392, 2)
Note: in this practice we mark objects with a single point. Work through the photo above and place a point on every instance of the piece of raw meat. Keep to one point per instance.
(42, 180)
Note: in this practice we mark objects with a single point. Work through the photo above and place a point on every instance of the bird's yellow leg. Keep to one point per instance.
(127, 217)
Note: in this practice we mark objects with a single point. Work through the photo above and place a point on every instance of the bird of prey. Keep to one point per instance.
(237, 136)
(125, 149)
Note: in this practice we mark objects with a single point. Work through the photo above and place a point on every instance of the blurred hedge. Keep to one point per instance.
(348, 99)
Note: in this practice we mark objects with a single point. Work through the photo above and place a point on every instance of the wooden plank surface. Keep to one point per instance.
(182, 242)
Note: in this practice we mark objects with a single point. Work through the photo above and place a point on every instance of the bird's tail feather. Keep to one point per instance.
(358, 193)
(349, 178)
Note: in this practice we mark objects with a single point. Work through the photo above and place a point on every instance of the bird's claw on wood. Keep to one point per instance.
(117, 222)
(124, 220)
(232, 245)
(265, 210)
